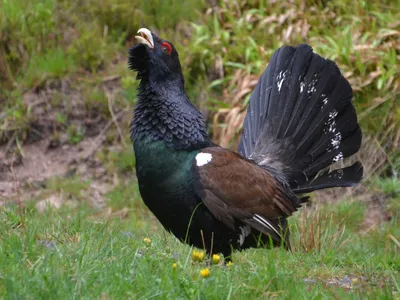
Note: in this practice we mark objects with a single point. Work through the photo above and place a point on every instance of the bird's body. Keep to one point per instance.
(164, 166)
(300, 120)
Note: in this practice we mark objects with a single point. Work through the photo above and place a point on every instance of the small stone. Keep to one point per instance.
(128, 234)
(309, 280)
(47, 244)
(52, 201)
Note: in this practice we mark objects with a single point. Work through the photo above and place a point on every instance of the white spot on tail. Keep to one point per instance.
(302, 85)
(338, 157)
(331, 124)
(324, 101)
(311, 86)
(281, 78)
(265, 223)
(335, 142)
(332, 114)
(203, 159)
(244, 232)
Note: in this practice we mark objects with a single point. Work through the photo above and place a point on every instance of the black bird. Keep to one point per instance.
(299, 122)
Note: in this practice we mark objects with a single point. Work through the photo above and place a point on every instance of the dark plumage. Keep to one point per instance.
(300, 120)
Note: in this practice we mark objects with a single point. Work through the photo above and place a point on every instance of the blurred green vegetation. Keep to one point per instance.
(224, 45)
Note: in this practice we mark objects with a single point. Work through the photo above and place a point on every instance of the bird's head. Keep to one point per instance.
(154, 59)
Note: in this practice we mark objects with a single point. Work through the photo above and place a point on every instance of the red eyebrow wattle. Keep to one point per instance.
(168, 46)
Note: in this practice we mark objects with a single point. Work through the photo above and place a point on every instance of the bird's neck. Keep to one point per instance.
(164, 113)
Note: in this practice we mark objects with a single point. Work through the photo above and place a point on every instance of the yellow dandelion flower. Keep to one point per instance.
(229, 264)
(147, 241)
(197, 255)
(205, 273)
(174, 265)
(200, 255)
(216, 258)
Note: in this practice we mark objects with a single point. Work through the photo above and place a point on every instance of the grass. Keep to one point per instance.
(54, 64)
(80, 251)
(70, 58)
(223, 50)
(360, 37)
(86, 253)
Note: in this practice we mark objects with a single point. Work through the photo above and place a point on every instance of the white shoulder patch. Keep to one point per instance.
(203, 159)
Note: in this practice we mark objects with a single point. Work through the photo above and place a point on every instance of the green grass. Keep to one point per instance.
(221, 49)
(80, 251)
(359, 36)
(85, 253)
(54, 64)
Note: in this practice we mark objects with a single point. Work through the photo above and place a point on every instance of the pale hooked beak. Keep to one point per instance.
(145, 37)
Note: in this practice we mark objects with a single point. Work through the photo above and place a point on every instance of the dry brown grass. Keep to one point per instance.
(317, 231)
(363, 40)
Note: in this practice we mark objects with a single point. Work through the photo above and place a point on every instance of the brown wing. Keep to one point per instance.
(235, 189)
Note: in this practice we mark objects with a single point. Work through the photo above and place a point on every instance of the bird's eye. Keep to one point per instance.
(166, 47)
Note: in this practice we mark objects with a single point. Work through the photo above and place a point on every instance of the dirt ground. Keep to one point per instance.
(48, 151)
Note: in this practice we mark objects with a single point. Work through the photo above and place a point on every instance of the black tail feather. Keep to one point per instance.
(346, 149)
(300, 120)
(344, 177)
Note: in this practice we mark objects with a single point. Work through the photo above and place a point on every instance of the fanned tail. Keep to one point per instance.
(300, 121)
